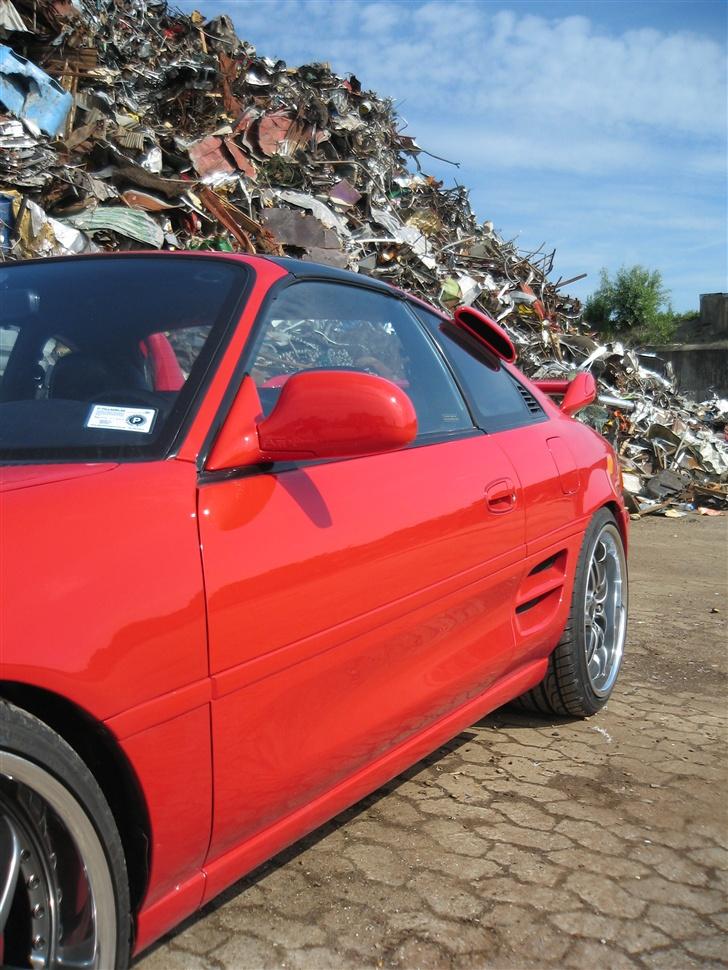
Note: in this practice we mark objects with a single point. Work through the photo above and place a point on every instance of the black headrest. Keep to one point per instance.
(83, 377)
(79, 377)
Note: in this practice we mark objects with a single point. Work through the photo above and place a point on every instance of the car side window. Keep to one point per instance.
(498, 401)
(315, 325)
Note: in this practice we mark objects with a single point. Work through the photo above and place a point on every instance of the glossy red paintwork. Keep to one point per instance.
(336, 414)
(582, 390)
(557, 387)
(237, 443)
(266, 647)
(344, 628)
(576, 393)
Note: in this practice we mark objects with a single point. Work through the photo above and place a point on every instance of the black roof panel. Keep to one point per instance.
(304, 270)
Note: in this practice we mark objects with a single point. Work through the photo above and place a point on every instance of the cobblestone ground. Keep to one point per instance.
(522, 843)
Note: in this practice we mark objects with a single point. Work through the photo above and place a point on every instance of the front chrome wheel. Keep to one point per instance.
(605, 610)
(56, 892)
(583, 668)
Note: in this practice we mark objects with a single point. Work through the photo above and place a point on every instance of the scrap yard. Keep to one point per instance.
(166, 131)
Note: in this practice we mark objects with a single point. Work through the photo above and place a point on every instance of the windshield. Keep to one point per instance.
(100, 357)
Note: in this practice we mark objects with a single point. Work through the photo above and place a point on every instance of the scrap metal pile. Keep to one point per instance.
(126, 125)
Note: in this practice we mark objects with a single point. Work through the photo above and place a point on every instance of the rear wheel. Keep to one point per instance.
(584, 666)
(64, 897)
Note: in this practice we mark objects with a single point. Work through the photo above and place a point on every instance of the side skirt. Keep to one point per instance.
(222, 872)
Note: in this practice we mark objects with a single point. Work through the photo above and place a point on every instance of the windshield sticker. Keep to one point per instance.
(110, 418)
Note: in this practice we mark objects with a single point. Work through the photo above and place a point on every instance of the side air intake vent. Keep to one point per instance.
(530, 401)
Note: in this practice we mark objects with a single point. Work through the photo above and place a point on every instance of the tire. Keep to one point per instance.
(584, 666)
(64, 892)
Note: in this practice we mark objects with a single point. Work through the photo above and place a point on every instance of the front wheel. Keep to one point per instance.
(64, 897)
(584, 666)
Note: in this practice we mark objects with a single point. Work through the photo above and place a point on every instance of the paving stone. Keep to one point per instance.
(585, 953)
(467, 936)
(202, 937)
(711, 947)
(617, 867)
(450, 808)
(659, 890)
(318, 957)
(466, 869)
(583, 812)
(721, 921)
(540, 794)
(634, 936)
(514, 834)
(375, 896)
(714, 828)
(269, 926)
(400, 811)
(168, 957)
(671, 958)
(445, 899)
(525, 865)
(453, 836)
(242, 950)
(524, 814)
(585, 923)
(531, 750)
(501, 916)
(379, 863)
(591, 836)
(539, 944)
(542, 899)
(606, 895)
(419, 953)
(674, 918)
(679, 869)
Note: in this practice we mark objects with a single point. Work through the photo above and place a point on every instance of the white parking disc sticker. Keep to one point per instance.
(110, 418)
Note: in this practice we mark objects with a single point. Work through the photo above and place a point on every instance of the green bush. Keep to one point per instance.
(634, 306)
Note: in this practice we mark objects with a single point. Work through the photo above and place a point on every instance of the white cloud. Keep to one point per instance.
(525, 74)
(376, 18)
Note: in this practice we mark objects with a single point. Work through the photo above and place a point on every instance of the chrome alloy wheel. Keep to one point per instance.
(605, 610)
(54, 878)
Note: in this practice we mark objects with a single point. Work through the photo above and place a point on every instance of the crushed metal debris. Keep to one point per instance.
(125, 124)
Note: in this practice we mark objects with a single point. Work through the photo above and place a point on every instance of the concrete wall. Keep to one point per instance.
(714, 313)
(700, 369)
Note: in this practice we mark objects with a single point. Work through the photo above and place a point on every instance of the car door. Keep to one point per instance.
(548, 475)
(503, 406)
(350, 603)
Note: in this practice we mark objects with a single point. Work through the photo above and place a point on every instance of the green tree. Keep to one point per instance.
(633, 304)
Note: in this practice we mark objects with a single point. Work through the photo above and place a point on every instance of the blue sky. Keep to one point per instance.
(598, 127)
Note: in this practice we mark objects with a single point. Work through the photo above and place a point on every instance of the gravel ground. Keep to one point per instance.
(526, 843)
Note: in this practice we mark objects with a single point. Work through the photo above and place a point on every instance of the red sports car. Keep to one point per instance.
(270, 533)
